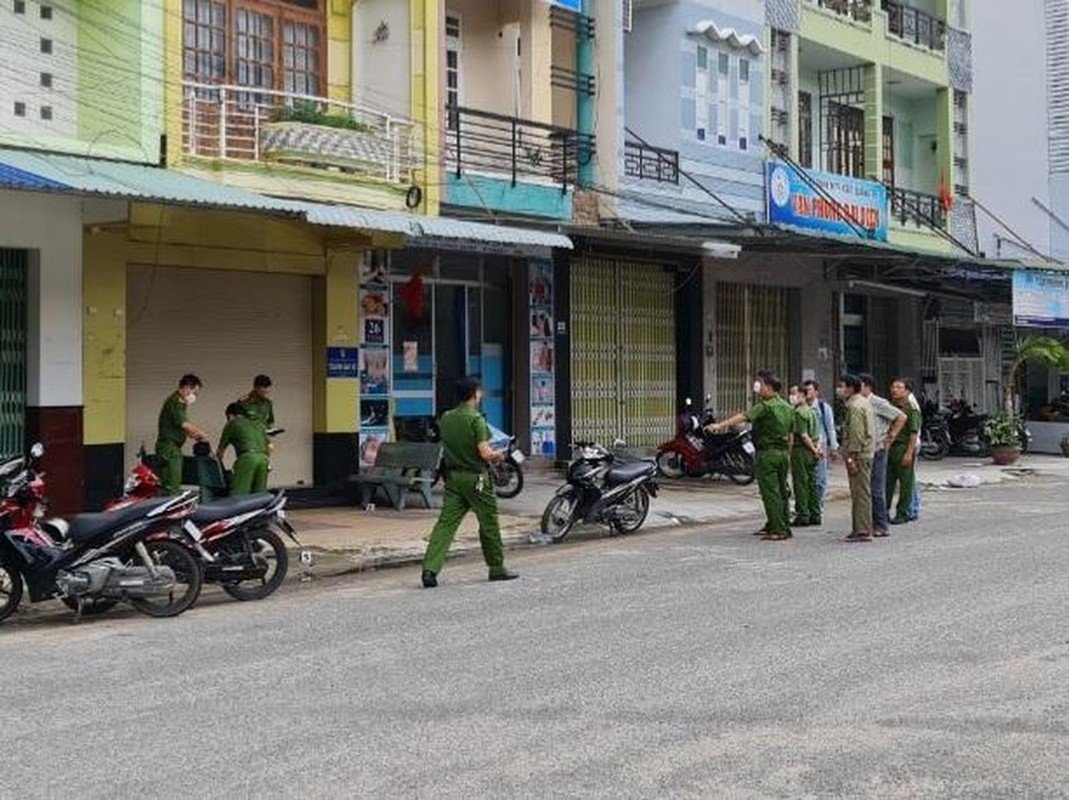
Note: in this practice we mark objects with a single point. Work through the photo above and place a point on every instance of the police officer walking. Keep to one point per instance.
(173, 429)
(467, 454)
(771, 420)
(250, 445)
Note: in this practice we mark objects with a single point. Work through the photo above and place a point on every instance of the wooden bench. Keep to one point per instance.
(400, 468)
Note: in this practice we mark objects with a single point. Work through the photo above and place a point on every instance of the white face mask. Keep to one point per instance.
(795, 399)
(757, 387)
(191, 398)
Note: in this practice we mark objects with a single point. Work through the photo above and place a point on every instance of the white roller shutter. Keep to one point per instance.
(226, 327)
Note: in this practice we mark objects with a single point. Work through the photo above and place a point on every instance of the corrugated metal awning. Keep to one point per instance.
(69, 174)
(447, 228)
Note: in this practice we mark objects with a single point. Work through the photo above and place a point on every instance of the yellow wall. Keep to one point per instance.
(104, 335)
(172, 77)
(339, 50)
(427, 98)
(335, 318)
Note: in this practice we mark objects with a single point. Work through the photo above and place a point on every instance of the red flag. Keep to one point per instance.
(411, 292)
(946, 199)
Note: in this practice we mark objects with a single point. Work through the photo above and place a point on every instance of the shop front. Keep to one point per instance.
(1041, 308)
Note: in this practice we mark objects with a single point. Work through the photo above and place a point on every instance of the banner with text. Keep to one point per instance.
(826, 203)
(1041, 299)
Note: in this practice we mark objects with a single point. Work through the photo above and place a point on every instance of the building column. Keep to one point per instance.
(586, 105)
(335, 311)
(874, 122)
(104, 360)
(428, 57)
(944, 138)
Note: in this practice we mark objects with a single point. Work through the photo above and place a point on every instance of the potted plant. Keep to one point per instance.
(1003, 434)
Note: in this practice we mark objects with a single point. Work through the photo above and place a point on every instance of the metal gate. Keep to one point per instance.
(13, 301)
(752, 334)
(623, 352)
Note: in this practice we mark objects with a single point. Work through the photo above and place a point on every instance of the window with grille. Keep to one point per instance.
(300, 58)
(961, 143)
(805, 129)
(889, 151)
(452, 69)
(204, 41)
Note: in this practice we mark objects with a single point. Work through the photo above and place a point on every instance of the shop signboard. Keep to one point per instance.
(1041, 299)
(571, 5)
(826, 203)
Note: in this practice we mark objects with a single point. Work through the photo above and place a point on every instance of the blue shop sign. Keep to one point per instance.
(793, 202)
(571, 5)
(343, 362)
(1040, 299)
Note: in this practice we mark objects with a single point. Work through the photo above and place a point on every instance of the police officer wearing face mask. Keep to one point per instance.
(173, 430)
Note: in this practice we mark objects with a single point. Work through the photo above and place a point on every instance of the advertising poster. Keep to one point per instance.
(1040, 299)
(374, 362)
(826, 203)
(543, 383)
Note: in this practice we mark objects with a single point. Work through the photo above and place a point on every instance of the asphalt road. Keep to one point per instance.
(677, 663)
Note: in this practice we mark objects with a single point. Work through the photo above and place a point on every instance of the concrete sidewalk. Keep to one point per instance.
(349, 539)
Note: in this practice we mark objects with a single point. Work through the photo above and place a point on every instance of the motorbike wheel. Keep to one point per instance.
(632, 511)
(559, 516)
(188, 578)
(933, 448)
(267, 546)
(742, 473)
(508, 479)
(91, 606)
(10, 589)
(670, 464)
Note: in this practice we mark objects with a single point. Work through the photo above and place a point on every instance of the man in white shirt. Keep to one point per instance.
(829, 441)
(889, 422)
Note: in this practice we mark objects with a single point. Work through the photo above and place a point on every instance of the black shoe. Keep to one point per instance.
(816, 523)
(504, 575)
(899, 520)
(430, 580)
(800, 523)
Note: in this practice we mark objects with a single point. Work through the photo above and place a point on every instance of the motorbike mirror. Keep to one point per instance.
(37, 450)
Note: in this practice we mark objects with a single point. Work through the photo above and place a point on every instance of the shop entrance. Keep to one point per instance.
(13, 303)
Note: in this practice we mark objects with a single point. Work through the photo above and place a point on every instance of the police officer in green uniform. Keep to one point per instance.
(805, 453)
(771, 421)
(173, 429)
(258, 406)
(466, 454)
(250, 445)
(901, 459)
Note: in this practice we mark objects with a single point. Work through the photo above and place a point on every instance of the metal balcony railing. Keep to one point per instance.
(253, 124)
(857, 10)
(917, 207)
(651, 163)
(486, 143)
(915, 26)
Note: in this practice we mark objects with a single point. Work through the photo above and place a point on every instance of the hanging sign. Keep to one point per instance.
(826, 203)
(1040, 299)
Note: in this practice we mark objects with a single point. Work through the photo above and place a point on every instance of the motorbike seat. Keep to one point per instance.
(622, 473)
(231, 507)
(86, 527)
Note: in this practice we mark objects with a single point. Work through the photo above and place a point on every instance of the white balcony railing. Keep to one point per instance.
(252, 124)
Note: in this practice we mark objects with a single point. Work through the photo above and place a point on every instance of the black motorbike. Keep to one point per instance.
(958, 430)
(106, 558)
(603, 487)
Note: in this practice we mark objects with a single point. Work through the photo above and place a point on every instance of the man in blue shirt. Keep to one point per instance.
(829, 441)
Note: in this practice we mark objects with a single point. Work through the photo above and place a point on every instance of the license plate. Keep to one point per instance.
(518, 457)
(748, 447)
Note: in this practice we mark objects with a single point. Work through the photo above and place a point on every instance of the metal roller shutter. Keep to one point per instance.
(226, 327)
(13, 301)
(623, 352)
(751, 334)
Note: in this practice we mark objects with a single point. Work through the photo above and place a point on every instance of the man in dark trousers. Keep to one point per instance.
(466, 455)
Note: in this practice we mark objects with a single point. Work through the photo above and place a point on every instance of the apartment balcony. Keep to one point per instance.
(914, 26)
(648, 163)
(854, 10)
(917, 209)
(252, 125)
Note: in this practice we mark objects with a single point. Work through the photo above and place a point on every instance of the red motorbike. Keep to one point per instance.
(695, 452)
(236, 539)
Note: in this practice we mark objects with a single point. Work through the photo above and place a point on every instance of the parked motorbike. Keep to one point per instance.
(508, 474)
(696, 452)
(236, 540)
(959, 430)
(105, 558)
(602, 487)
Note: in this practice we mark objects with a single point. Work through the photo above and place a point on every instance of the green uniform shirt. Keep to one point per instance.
(771, 421)
(259, 409)
(912, 426)
(804, 421)
(172, 418)
(246, 435)
(462, 428)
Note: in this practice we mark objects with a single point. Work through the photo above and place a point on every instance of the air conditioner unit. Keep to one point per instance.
(628, 15)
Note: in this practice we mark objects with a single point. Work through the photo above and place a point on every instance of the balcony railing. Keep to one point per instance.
(651, 163)
(917, 207)
(252, 124)
(915, 26)
(857, 10)
(494, 144)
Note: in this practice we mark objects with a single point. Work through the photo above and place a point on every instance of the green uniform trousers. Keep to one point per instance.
(250, 474)
(806, 492)
(902, 477)
(861, 497)
(171, 456)
(464, 492)
(771, 468)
